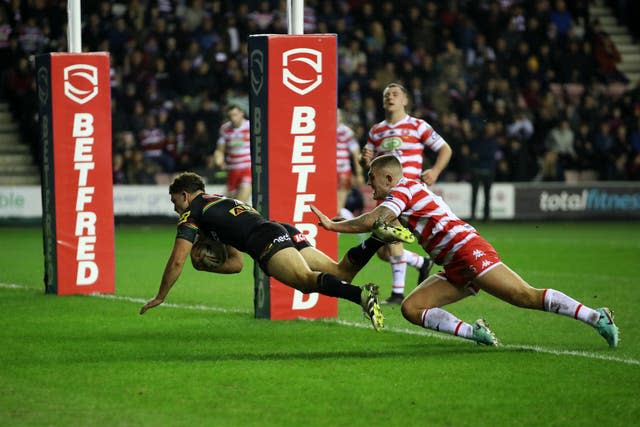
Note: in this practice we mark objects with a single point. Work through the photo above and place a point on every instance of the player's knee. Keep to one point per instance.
(411, 311)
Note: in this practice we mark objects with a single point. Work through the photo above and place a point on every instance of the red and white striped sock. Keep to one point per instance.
(557, 302)
(443, 321)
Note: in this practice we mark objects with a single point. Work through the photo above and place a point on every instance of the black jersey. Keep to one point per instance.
(227, 220)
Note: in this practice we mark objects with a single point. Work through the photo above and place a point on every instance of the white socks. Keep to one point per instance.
(398, 273)
(557, 302)
(443, 321)
(412, 258)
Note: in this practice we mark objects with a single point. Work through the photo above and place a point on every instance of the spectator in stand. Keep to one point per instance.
(603, 142)
(483, 151)
(607, 56)
(586, 156)
(560, 156)
(153, 143)
(179, 146)
(563, 21)
(620, 154)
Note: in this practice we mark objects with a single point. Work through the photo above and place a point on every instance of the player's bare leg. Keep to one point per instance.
(290, 267)
(319, 261)
(506, 284)
(423, 308)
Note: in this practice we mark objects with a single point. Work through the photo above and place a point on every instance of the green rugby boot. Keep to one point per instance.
(483, 335)
(606, 327)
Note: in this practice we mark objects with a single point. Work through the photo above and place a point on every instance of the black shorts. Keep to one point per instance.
(299, 239)
(271, 237)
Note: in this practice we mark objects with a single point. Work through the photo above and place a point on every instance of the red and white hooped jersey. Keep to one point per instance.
(346, 143)
(237, 145)
(440, 232)
(406, 139)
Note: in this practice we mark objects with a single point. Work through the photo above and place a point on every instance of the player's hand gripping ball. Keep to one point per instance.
(207, 254)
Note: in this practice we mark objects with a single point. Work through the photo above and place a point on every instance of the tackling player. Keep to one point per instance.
(470, 262)
(242, 229)
(405, 137)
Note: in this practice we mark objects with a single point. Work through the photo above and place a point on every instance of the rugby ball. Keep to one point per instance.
(211, 253)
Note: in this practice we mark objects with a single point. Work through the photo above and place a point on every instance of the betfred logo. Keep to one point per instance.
(80, 82)
(302, 70)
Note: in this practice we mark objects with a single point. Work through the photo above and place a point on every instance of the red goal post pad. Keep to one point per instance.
(293, 98)
(74, 98)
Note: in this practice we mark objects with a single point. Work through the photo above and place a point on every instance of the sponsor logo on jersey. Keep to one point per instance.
(183, 218)
(390, 144)
(240, 209)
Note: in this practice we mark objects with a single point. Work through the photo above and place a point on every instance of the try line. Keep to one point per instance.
(405, 331)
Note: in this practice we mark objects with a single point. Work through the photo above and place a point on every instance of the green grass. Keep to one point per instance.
(204, 360)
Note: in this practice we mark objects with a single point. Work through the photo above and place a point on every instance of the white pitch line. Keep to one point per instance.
(404, 331)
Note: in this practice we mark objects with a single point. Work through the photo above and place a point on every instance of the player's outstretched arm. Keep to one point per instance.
(179, 254)
(359, 224)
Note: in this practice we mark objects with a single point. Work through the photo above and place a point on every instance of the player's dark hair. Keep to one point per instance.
(186, 181)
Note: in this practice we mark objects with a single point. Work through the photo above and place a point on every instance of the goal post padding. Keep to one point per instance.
(77, 190)
(293, 98)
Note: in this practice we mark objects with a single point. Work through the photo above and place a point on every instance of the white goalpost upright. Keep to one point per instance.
(74, 27)
(295, 16)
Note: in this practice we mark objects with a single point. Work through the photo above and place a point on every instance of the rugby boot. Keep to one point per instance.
(606, 327)
(370, 306)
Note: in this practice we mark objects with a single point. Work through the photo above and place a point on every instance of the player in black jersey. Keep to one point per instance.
(243, 229)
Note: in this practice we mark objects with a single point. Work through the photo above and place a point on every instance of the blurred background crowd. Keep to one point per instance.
(538, 80)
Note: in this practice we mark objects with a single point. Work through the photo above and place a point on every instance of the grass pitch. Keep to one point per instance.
(201, 359)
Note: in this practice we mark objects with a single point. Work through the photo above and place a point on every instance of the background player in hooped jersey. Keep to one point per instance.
(470, 262)
(405, 137)
(233, 153)
(280, 250)
(348, 154)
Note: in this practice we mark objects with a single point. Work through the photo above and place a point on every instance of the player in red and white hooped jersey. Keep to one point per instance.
(347, 154)
(233, 153)
(470, 262)
(440, 232)
(405, 137)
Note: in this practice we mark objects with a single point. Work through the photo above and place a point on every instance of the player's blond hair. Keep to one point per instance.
(387, 161)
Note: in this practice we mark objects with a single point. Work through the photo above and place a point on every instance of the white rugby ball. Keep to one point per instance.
(212, 253)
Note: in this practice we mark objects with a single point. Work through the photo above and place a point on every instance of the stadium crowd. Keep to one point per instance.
(536, 82)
